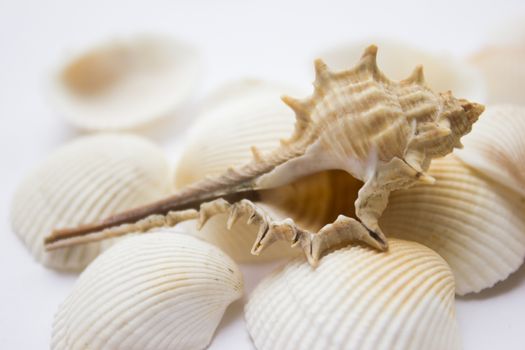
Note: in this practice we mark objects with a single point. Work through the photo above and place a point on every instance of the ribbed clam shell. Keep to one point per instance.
(237, 116)
(163, 290)
(86, 180)
(503, 69)
(125, 83)
(496, 146)
(474, 223)
(247, 113)
(357, 298)
(442, 72)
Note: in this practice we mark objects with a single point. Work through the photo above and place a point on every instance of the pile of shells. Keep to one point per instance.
(388, 196)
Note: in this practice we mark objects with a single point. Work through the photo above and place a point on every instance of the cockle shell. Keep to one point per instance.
(164, 290)
(85, 180)
(358, 298)
(442, 71)
(476, 224)
(502, 67)
(125, 83)
(248, 113)
(496, 146)
(382, 133)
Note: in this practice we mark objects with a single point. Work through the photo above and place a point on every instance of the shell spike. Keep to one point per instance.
(321, 72)
(302, 112)
(369, 59)
(257, 156)
(417, 76)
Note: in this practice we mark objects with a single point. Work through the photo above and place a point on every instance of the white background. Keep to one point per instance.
(267, 39)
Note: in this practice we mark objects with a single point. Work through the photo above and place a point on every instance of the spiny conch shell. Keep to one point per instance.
(502, 67)
(474, 223)
(442, 72)
(125, 83)
(85, 180)
(358, 298)
(358, 127)
(163, 290)
(496, 146)
(248, 113)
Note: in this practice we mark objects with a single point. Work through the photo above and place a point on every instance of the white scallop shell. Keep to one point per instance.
(125, 83)
(358, 298)
(398, 59)
(496, 146)
(474, 223)
(162, 290)
(236, 117)
(503, 69)
(85, 180)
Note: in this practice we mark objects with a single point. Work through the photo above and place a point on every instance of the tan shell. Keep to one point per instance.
(503, 69)
(85, 180)
(248, 113)
(164, 290)
(496, 146)
(357, 298)
(443, 72)
(476, 224)
(125, 83)
(382, 133)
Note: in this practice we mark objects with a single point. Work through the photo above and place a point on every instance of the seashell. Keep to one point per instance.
(248, 113)
(496, 146)
(85, 180)
(442, 72)
(357, 298)
(163, 290)
(502, 67)
(474, 223)
(125, 83)
(358, 127)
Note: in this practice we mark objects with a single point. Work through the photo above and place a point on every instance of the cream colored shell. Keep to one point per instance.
(496, 146)
(125, 83)
(442, 71)
(237, 116)
(476, 224)
(163, 290)
(357, 298)
(382, 133)
(503, 69)
(85, 180)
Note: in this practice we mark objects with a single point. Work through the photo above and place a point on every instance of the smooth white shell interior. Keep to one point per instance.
(398, 59)
(125, 83)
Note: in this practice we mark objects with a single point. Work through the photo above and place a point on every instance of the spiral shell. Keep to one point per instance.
(474, 223)
(125, 83)
(86, 180)
(357, 298)
(442, 72)
(381, 133)
(164, 290)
